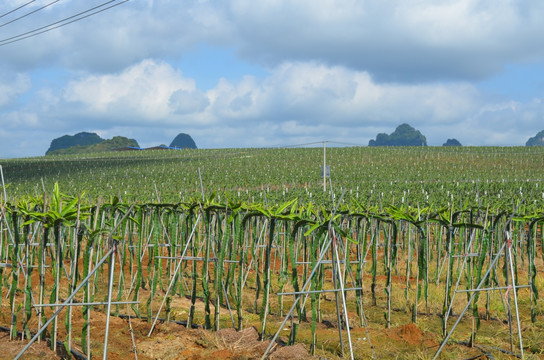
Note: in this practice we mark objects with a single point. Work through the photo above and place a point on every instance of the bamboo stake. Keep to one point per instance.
(323, 252)
(174, 275)
(514, 290)
(336, 275)
(110, 289)
(65, 303)
(335, 247)
(470, 301)
(98, 303)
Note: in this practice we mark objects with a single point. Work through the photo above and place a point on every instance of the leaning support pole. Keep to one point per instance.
(323, 252)
(65, 303)
(339, 273)
(455, 291)
(470, 301)
(335, 275)
(110, 288)
(514, 290)
(273, 341)
(174, 276)
(3, 184)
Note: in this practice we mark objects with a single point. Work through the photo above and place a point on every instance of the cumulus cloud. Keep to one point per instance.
(141, 91)
(393, 40)
(11, 86)
(20, 120)
(114, 39)
(298, 102)
(188, 102)
(340, 70)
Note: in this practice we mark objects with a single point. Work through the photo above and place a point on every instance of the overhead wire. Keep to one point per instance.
(29, 13)
(319, 143)
(18, 8)
(61, 23)
(344, 143)
(300, 145)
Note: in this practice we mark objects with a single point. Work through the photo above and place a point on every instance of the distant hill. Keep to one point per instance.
(102, 146)
(79, 139)
(183, 141)
(404, 135)
(537, 140)
(452, 142)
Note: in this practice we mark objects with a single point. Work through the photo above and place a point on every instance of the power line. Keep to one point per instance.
(60, 23)
(344, 143)
(29, 13)
(300, 145)
(14, 10)
(319, 143)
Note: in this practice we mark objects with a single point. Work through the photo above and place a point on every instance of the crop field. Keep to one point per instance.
(409, 253)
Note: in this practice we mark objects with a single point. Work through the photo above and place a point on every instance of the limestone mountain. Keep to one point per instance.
(452, 142)
(537, 140)
(79, 139)
(404, 135)
(183, 141)
(104, 145)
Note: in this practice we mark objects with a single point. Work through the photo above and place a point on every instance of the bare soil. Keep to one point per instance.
(169, 341)
(403, 340)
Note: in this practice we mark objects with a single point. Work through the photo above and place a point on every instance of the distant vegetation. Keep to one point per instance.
(183, 141)
(452, 142)
(85, 142)
(537, 140)
(105, 145)
(404, 135)
(67, 141)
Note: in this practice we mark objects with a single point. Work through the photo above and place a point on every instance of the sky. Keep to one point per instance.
(267, 73)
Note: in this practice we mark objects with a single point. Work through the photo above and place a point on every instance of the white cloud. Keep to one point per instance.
(20, 120)
(11, 87)
(188, 102)
(342, 70)
(394, 39)
(152, 101)
(143, 90)
(305, 101)
(295, 97)
(400, 40)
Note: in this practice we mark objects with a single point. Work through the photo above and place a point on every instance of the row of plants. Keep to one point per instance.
(239, 256)
(429, 177)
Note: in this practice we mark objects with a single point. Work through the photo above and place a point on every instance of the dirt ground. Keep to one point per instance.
(403, 340)
(169, 341)
(10, 349)
(172, 341)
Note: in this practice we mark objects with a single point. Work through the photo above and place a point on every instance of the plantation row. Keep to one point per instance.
(249, 237)
(240, 259)
(427, 177)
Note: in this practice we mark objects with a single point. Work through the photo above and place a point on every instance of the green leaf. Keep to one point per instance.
(312, 229)
(282, 208)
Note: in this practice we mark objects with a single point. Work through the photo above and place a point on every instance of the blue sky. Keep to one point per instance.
(247, 73)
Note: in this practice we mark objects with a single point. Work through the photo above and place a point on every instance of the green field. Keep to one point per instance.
(410, 231)
(429, 176)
